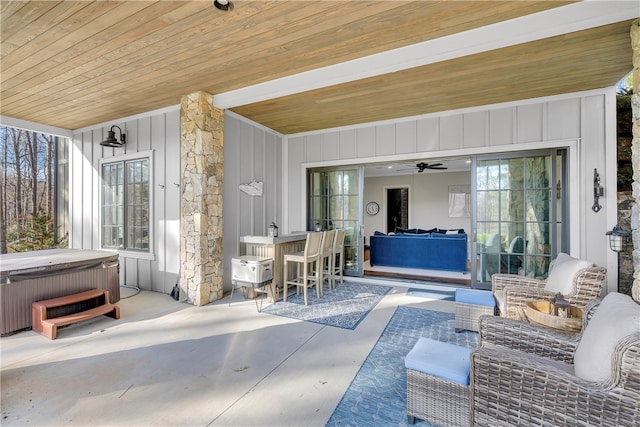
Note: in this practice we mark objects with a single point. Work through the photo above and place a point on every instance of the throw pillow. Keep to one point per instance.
(615, 318)
(562, 257)
(378, 233)
(561, 276)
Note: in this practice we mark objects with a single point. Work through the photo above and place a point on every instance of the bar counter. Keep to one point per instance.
(276, 248)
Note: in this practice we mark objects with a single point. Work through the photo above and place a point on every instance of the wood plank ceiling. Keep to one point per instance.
(73, 64)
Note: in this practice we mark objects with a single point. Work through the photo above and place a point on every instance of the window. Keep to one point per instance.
(126, 204)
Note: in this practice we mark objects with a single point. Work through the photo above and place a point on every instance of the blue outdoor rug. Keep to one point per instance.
(442, 293)
(343, 307)
(377, 395)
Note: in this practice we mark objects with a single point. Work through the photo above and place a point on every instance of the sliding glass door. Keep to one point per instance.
(336, 202)
(519, 216)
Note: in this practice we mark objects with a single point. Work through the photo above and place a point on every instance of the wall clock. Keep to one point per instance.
(373, 208)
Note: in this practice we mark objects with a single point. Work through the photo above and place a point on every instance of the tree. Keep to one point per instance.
(27, 190)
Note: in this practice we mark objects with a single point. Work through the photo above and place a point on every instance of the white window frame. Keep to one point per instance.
(142, 155)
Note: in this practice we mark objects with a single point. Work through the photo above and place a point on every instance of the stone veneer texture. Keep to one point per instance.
(202, 176)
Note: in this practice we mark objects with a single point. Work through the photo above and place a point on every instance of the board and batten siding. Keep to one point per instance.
(159, 134)
(251, 153)
(584, 122)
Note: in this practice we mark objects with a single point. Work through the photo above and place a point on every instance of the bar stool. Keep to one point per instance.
(326, 256)
(338, 249)
(309, 276)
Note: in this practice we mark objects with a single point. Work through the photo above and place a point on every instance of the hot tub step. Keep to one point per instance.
(49, 326)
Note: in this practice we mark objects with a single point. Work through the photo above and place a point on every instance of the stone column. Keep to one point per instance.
(202, 175)
(635, 156)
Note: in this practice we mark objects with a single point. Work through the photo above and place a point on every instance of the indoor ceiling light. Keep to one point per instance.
(111, 140)
(223, 4)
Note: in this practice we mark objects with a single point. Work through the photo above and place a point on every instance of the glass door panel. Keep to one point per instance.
(518, 214)
(335, 199)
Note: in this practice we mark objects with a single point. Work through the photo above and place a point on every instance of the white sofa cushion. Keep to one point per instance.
(561, 276)
(615, 318)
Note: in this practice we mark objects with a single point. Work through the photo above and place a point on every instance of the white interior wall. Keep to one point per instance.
(428, 200)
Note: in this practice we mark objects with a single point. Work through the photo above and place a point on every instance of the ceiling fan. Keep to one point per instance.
(423, 165)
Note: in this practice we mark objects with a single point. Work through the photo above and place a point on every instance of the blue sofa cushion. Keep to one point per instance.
(475, 297)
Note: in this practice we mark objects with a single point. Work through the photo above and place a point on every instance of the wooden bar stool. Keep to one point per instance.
(326, 256)
(337, 254)
(309, 260)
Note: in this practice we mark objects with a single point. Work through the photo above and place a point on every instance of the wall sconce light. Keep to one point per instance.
(617, 238)
(223, 4)
(598, 191)
(111, 140)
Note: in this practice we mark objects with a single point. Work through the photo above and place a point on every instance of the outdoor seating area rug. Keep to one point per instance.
(441, 293)
(377, 395)
(343, 307)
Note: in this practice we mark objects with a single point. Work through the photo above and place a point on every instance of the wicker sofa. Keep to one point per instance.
(523, 374)
(579, 286)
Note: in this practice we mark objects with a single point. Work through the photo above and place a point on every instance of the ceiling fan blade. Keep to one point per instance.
(437, 167)
(433, 165)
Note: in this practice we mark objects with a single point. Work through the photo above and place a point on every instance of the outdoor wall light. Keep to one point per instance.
(617, 237)
(111, 140)
(223, 4)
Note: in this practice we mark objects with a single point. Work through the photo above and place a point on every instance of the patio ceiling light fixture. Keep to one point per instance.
(223, 4)
(111, 140)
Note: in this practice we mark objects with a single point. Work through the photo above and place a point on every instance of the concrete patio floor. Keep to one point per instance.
(165, 363)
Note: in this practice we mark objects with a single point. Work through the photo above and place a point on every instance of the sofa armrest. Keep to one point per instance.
(515, 299)
(534, 339)
(587, 286)
(511, 387)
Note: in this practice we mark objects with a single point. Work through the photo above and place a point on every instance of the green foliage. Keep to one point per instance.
(37, 234)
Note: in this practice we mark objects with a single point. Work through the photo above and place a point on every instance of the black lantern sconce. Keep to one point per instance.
(617, 238)
(598, 191)
(111, 140)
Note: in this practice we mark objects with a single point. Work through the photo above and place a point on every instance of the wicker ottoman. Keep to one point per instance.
(470, 305)
(438, 383)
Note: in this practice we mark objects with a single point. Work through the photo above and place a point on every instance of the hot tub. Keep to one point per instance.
(27, 277)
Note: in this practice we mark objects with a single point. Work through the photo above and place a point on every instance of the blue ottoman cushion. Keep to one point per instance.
(476, 297)
(440, 359)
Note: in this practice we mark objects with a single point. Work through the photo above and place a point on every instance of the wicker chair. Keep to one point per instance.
(513, 292)
(522, 374)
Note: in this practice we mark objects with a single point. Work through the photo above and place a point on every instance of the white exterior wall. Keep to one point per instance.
(158, 132)
(251, 152)
(582, 122)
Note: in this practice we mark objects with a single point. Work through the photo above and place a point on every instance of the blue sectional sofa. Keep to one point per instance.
(434, 251)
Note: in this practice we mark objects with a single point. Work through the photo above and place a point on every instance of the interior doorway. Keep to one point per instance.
(397, 209)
